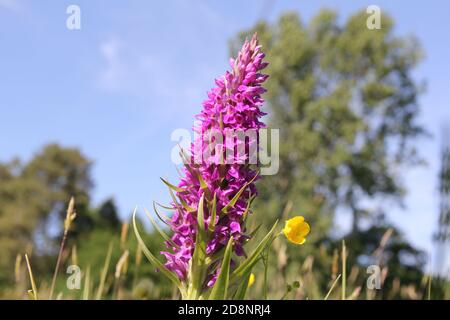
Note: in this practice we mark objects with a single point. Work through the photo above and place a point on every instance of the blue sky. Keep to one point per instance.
(137, 70)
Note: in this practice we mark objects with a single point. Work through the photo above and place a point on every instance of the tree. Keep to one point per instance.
(19, 214)
(33, 193)
(109, 215)
(442, 235)
(345, 101)
(65, 172)
(346, 104)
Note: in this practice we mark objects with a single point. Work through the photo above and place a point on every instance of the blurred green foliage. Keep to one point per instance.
(33, 200)
(345, 101)
(35, 193)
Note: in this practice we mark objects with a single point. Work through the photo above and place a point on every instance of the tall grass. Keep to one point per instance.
(273, 280)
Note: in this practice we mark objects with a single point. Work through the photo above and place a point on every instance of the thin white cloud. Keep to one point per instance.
(11, 5)
(131, 71)
(110, 75)
(126, 69)
(211, 15)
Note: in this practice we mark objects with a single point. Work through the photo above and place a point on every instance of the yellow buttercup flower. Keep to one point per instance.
(296, 230)
(251, 279)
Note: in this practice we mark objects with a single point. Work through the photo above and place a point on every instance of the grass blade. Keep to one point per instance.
(70, 216)
(87, 284)
(34, 292)
(344, 270)
(17, 267)
(332, 287)
(104, 273)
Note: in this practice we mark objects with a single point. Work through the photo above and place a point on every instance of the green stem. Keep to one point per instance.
(266, 266)
(344, 271)
(58, 263)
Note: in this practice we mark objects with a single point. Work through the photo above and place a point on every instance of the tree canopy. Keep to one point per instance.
(345, 101)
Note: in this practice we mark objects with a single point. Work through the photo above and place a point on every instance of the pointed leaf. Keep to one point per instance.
(242, 288)
(212, 221)
(237, 195)
(186, 206)
(201, 181)
(173, 187)
(220, 289)
(255, 230)
(197, 267)
(184, 155)
(157, 228)
(174, 199)
(200, 215)
(165, 207)
(248, 264)
(162, 217)
(156, 263)
(247, 209)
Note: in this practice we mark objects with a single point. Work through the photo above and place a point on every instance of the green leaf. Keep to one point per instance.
(157, 228)
(212, 221)
(186, 206)
(171, 186)
(197, 270)
(220, 289)
(201, 181)
(247, 209)
(193, 170)
(156, 263)
(165, 207)
(174, 199)
(248, 264)
(163, 218)
(200, 215)
(242, 288)
(185, 157)
(197, 266)
(237, 195)
(252, 234)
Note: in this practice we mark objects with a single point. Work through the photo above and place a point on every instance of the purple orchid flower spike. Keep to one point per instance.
(225, 179)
